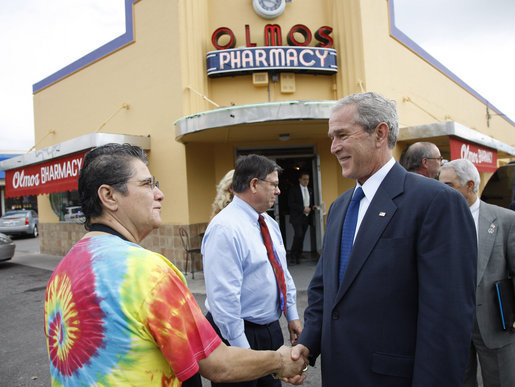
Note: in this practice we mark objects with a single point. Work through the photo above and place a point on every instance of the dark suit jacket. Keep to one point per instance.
(296, 204)
(496, 260)
(403, 314)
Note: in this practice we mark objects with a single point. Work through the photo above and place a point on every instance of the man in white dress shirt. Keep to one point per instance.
(245, 298)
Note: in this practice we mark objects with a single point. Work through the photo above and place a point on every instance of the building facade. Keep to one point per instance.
(199, 82)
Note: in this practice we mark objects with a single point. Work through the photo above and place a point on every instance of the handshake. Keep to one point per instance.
(294, 362)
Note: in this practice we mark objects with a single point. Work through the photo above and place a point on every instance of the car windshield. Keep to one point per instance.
(17, 214)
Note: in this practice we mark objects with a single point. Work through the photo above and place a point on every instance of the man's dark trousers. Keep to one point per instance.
(300, 225)
(260, 337)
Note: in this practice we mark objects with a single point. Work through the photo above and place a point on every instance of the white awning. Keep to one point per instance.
(252, 114)
(288, 115)
(74, 145)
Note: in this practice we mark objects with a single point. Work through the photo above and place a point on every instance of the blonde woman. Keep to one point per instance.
(224, 194)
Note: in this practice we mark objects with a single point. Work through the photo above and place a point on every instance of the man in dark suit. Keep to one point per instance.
(495, 225)
(300, 205)
(402, 312)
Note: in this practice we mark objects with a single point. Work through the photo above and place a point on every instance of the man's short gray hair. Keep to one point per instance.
(465, 171)
(371, 110)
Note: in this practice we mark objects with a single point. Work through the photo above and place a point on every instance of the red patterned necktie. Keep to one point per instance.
(276, 265)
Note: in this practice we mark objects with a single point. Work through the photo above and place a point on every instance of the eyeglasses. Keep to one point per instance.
(272, 183)
(149, 182)
(434, 158)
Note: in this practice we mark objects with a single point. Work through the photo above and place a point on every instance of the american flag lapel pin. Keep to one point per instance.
(491, 229)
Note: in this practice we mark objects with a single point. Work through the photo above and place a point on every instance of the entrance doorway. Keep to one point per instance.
(293, 161)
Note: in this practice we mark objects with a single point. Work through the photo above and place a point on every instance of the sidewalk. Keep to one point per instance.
(36, 259)
(301, 273)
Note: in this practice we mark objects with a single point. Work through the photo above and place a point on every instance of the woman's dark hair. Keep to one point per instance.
(107, 164)
(250, 167)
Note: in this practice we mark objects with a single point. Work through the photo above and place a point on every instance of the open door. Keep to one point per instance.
(320, 212)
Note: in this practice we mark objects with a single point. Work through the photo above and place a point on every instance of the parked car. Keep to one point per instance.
(7, 247)
(20, 222)
(74, 214)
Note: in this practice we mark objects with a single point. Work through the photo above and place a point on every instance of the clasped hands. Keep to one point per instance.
(294, 363)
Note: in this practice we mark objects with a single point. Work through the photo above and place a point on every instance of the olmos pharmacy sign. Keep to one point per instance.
(298, 56)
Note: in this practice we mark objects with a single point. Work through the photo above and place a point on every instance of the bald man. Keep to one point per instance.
(423, 158)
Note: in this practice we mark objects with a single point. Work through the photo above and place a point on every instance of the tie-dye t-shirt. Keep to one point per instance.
(118, 314)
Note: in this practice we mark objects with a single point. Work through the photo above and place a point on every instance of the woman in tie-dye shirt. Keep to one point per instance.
(118, 314)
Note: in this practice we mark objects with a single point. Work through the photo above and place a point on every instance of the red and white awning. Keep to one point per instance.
(57, 175)
(56, 169)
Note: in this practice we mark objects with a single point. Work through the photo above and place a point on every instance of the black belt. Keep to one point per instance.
(251, 324)
(209, 317)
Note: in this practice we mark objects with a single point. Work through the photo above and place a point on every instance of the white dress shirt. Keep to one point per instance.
(474, 209)
(305, 195)
(369, 189)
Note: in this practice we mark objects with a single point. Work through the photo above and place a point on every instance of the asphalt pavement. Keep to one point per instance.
(23, 280)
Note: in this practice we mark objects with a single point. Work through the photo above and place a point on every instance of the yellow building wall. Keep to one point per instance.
(45, 210)
(162, 78)
(145, 75)
(239, 90)
(208, 163)
(201, 183)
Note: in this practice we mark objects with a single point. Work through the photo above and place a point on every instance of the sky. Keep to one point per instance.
(475, 39)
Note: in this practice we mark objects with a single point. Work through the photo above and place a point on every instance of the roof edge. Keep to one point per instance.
(452, 128)
(74, 145)
(253, 113)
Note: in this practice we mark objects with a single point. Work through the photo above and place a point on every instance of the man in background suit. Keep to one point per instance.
(496, 261)
(402, 313)
(423, 158)
(300, 205)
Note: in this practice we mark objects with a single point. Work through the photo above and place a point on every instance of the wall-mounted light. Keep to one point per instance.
(284, 136)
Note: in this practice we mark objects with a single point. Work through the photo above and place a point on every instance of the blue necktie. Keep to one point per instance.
(349, 228)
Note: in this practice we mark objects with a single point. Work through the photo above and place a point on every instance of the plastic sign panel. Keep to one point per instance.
(285, 58)
(485, 159)
(56, 175)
